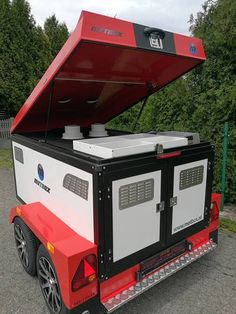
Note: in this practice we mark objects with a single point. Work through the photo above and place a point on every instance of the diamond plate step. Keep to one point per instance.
(160, 274)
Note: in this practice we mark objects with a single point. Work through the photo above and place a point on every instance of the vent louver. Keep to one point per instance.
(191, 177)
(76, 185)
(136, 193)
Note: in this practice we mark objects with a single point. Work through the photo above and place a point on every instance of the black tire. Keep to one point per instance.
(49, 283)
(26, 245)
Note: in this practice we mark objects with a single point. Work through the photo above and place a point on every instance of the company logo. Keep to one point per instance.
(106, 31)
(188, 223)
(40, 172)
(193, 49)
(155, 41)
(41, 177)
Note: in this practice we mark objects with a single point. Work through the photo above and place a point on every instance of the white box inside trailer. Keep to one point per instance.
(126, 145)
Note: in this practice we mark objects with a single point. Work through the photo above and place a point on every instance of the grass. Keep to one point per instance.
(5, 159)
(227, 224)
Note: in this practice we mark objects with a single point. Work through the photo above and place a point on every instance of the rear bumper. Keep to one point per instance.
(128, 293)
(128, 278)
(157, 276)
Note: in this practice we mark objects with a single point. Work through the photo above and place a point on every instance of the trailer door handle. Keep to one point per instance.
(160, 207)
(173, 201)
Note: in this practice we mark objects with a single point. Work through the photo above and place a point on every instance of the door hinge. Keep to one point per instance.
(160, 207)
(173, 201)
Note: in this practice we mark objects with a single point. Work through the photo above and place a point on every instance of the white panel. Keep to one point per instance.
(125, 145)
(190, 201)
(72, 209)
(136, 227)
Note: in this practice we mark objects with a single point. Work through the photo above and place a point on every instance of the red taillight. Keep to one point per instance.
(168, 155)
(214, 211)
(86, 272)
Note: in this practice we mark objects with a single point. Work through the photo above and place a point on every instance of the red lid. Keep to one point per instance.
(106, 66)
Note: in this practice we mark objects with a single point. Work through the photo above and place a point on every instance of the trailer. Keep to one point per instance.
(108, 214)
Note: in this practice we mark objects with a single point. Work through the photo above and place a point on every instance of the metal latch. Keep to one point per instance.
(159, 149)
(160, 206)
(173, 201)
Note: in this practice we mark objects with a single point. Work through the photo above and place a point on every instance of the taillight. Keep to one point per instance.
(168, 155)
(86, 272)
(214, 211)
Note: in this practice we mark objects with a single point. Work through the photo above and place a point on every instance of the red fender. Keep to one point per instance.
(66, 249)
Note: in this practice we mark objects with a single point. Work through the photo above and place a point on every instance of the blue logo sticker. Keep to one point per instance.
(193, 49)
(40, 172)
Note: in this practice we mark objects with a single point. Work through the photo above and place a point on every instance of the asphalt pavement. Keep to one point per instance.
(206, 286)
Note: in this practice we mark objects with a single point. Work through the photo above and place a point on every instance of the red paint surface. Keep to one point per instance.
(117, 283)
(69, 249)
(183, 43)
(96, 56)
(91, 20)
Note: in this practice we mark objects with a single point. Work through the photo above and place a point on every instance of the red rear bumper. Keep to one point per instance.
(126, 279)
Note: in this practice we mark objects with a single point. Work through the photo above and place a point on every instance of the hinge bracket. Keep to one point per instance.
(173, 201)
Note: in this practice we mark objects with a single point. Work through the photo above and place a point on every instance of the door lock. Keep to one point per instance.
(160, 207)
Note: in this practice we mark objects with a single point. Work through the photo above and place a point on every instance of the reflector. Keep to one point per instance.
(88, 269)
(86, 272)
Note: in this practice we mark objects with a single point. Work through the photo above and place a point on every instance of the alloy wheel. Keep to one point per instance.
(49, 285)
(21, 245)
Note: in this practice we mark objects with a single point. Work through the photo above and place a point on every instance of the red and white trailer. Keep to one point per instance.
(107, 214)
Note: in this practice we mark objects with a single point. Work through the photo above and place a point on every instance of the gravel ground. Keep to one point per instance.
(5, 143)
(206, 286)
(229, 212)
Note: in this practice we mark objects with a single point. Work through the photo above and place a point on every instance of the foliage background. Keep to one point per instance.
(200, 101)
(26, 50)
(204, 99)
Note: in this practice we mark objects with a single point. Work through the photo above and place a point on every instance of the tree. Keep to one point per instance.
(215, 82)
(205, 98)
(5, 35)
(24, 53)
(57, 34)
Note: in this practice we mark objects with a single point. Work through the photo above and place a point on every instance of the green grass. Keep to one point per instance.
(5, 159)
(227, 224)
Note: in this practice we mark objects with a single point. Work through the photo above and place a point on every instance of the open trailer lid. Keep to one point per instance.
(106, 66)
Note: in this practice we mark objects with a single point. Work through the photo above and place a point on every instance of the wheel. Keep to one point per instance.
(26, 245)
(49, 283)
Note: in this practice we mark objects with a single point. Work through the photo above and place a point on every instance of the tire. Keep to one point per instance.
(26, 245)
(49, 283)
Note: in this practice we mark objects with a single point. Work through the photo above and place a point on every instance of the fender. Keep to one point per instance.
(65, 247)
